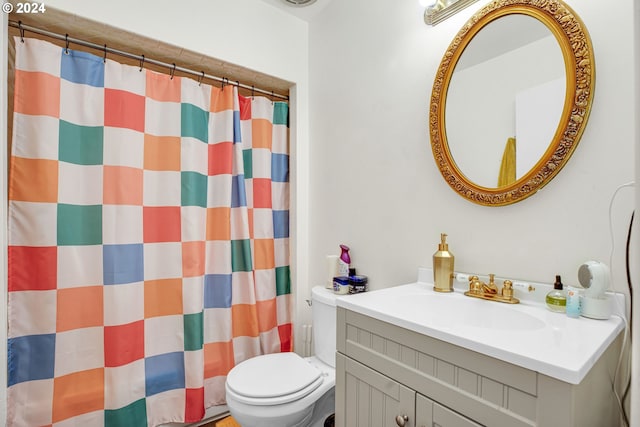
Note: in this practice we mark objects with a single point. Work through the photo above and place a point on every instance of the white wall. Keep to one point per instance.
(243, 32)
(375, 185)
(538, 110)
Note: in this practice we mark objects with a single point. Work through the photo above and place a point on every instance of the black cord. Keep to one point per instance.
(630, 322)
(629, 284)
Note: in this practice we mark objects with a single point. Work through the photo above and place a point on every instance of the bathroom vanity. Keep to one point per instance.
(409, 356)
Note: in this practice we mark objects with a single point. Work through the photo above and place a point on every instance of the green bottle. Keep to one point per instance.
(557, 299)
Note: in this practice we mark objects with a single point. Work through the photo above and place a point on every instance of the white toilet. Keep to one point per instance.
(284, 389)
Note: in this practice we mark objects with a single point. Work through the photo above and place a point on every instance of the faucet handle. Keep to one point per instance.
(475, 285)
(507, 289)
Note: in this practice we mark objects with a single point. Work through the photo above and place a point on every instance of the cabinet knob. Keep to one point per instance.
(401, 420)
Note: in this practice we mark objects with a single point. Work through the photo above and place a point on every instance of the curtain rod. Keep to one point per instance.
(143, 59)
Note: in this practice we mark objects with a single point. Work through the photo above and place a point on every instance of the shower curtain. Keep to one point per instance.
(148, 240)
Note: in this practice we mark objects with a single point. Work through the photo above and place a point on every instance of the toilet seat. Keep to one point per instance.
(273, 379)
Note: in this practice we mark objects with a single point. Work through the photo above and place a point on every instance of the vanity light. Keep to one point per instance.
(440, 10)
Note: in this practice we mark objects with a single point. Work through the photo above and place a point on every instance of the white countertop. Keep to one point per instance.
(525, 334)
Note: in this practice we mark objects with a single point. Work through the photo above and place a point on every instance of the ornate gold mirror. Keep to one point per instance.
(511, 99)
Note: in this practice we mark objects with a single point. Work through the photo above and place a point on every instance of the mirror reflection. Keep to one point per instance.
(505, 100)
(511, 99)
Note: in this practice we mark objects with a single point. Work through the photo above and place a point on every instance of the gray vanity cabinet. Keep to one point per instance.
(385, 372)
(374, 400)
(371, 399)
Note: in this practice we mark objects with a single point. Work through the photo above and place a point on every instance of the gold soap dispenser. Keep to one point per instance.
(443, 267)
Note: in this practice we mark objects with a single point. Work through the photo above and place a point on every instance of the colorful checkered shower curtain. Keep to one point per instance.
(148, 241)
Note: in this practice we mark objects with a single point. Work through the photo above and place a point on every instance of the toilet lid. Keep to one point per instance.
(273, 379)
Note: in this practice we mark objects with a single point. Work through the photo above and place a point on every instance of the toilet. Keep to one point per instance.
(284, 389)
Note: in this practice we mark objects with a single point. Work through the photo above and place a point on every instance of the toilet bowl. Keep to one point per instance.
(284, 389)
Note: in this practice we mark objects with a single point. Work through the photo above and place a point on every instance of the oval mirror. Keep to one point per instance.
(511, 99)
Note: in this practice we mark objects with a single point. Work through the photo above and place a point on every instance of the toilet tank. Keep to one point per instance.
(323, 311)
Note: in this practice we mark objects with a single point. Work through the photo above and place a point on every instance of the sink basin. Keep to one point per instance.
(455, 310)
(500, 318)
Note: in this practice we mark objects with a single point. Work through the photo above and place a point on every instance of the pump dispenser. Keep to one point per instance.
(443, 267)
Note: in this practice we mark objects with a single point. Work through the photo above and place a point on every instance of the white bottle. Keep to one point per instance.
(332, 270)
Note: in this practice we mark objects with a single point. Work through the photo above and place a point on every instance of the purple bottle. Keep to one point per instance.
(344, 261)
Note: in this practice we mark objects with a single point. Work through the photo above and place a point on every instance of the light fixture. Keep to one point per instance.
(299, 2)
(440, 10)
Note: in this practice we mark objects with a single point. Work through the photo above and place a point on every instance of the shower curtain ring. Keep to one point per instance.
(200, 79)
(104, 58)
(66, 44)
(141, 62)
(173, 71)
(253, 89)
(21, 31)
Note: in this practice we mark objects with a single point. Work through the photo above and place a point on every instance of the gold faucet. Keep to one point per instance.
(489, 291)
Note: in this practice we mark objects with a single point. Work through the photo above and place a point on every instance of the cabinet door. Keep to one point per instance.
(431, 414)
(370, 399)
